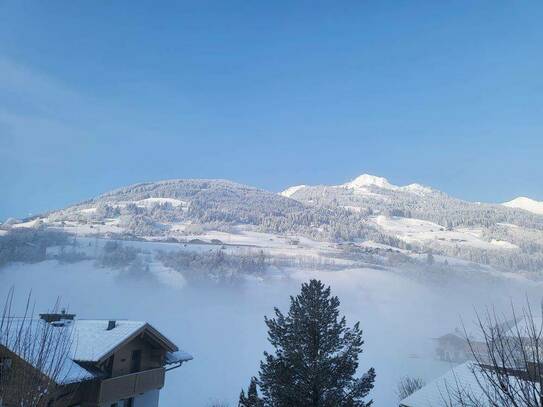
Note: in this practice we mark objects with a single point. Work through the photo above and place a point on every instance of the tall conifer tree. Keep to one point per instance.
(252, 399)
(316, 355)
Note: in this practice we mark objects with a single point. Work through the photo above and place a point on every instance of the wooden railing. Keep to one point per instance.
(123, 387)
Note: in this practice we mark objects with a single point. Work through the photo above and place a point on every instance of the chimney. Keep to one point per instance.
(111, 324)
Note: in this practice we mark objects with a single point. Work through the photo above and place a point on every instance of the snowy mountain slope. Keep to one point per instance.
(417, 231)
(376, 195)
(412, 219)
(427, 219)
(148, 206)
(290, 191)
(527, 204)
(177, 208)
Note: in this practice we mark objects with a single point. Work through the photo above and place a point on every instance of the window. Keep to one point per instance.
(125, 403)
(5, 363)
(5, 366)
(135, 363)
(109, 365)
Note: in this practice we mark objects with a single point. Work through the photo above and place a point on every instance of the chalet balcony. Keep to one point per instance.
(123, 387)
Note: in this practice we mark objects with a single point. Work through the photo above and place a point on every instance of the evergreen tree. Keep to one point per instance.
(316, 355)
(242, 399)
(252, 399)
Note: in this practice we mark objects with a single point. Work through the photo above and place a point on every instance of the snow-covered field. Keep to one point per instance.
(223, 326)
(421, 231)
(410, 230)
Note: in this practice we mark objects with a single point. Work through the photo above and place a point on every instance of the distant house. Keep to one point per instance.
(454, 347)
(112, 363)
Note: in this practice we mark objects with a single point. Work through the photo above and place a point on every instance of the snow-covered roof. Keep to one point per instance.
(525, 327)
(435, 393)
(466, 383)
(177, 357)
(92, 342)
(65, 369)
(71, 372)
(92, 339)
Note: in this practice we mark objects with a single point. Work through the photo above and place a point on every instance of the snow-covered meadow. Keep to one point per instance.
(222, 325)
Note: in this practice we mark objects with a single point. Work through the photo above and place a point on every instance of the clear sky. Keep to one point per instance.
(98, 94)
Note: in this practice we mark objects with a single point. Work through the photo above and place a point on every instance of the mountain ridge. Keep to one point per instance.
(527, 204)
(366, 210)
(367, 181)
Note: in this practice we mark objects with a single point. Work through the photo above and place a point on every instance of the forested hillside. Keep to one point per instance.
(368, 210)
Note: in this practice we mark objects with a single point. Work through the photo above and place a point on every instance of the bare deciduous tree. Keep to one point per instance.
(408, 385)
(35, 356)
(508, 368)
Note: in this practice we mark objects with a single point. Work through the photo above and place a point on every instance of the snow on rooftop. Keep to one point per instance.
(178, 356)
(69, 372)
(465, 382)
(524, 327)
(436, 392)
(92, 339)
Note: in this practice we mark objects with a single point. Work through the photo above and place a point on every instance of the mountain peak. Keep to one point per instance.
(364, 183)
(291, 190)
(528, 204)
(366, 180)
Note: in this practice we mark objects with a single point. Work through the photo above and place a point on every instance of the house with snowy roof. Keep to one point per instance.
(109, 363)
(455, 347)
(441, 391)
(469, 384)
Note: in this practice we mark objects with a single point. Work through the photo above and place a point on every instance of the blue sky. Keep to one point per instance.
(96, 95)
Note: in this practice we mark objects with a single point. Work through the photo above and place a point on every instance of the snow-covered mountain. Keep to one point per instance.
(427, 219)
(527, 204)
(291, 190)
(368, 211)
(366, 182)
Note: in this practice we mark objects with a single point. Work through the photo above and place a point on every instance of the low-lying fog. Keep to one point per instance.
(223, 325)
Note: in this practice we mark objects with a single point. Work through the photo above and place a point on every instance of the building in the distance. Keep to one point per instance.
(452, 347)
(110, 363)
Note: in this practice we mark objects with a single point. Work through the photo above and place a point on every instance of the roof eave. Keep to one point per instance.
(157, 336)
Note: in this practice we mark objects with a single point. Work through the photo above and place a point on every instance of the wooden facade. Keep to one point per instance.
(135, 366)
